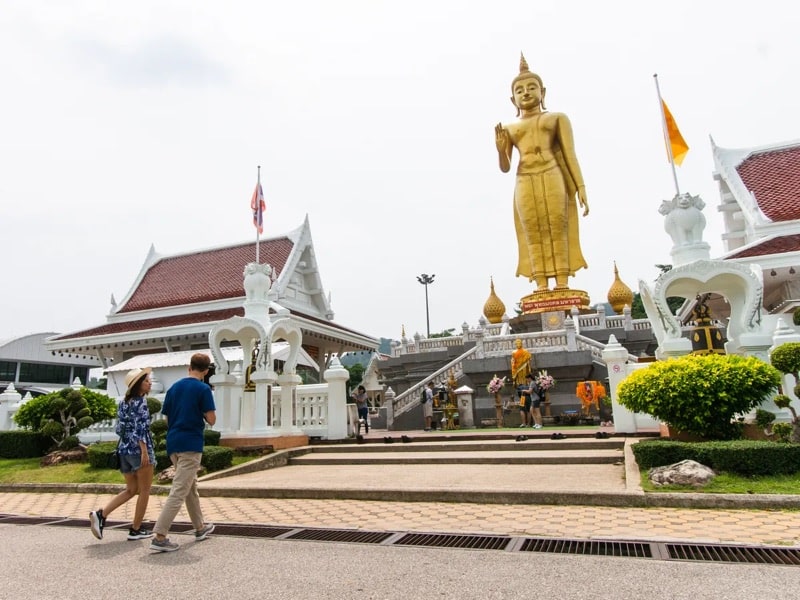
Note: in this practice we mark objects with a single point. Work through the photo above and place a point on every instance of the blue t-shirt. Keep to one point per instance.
(184, 406)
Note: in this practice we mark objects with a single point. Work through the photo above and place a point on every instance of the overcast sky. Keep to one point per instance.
(126, 124)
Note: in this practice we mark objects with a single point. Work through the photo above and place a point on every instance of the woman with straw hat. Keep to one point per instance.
(136, 456)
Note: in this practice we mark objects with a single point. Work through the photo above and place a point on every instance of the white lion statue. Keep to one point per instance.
(683, 219)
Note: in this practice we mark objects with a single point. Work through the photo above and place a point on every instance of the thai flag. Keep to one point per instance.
(258, 206)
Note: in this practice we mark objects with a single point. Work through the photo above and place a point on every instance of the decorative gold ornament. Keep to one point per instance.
(494, 309)
(619, 294)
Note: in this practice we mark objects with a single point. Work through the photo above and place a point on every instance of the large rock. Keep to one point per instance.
(686, 472)
(60, 457)
(168, 474)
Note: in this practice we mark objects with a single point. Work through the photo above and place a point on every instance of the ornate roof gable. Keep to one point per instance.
(764, 181)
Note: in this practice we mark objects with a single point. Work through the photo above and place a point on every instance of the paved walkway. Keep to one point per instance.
(730, 525)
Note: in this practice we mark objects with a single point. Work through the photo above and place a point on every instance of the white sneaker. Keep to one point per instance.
(523, 425)
(537, 426)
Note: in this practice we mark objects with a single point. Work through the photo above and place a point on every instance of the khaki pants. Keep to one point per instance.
(184, 489)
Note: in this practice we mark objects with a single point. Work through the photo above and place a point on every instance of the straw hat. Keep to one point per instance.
(133, 377)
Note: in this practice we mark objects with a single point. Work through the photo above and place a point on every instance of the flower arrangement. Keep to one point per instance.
(496, 384)
(545, 381)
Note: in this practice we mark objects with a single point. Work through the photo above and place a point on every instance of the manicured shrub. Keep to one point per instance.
(162, 460)
(216, 458)
(23, 444)
(153, 405)
(211, 437)
(796, 316)
(700, 395)
(159, 431)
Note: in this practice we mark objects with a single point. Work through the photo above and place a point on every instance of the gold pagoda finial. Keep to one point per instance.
(493, 309)
(402, 331)
(619, 295)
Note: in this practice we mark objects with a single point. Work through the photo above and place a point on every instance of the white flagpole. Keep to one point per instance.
(666, 136)
(258, 208)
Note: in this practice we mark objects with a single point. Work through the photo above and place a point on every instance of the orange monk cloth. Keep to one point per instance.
(676, 141)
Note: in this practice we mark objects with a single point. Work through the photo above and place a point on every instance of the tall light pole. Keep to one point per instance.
(426, 279)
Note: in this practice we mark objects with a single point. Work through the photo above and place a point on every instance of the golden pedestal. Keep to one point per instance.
(542, 301)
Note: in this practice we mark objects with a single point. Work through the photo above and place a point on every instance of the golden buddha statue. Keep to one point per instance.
(520, 364)
(548, 180)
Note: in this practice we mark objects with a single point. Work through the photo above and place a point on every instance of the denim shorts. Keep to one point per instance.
(130, 463)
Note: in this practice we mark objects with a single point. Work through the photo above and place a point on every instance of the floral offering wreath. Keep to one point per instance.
(496, 384)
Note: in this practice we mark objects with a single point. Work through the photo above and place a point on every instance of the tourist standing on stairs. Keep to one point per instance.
(136, 456)
(188, 406)
(427, 407)
(360, 398)
(536, 394)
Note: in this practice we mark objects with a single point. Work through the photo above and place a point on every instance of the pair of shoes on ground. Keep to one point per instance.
(388, 440)
(97, 522)
(558, 436)
(602, 435)
(166, 545)
(405, 439)
(521, 438)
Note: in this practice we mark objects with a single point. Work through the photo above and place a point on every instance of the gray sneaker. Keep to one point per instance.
(202, 534)
(163, 545)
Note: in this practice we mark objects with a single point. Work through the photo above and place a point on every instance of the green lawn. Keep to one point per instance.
(727, 483)
(27, 470)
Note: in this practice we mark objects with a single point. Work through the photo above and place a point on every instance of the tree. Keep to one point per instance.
(445, 333)
(700, 394)
(62, 414)
(356, 371)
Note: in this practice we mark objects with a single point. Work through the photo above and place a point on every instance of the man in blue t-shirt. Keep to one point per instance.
(188, 406)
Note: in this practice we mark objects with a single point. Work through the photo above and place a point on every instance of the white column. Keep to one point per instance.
(616, 356)
(222, 400)
(465, 406)
(8, 398)
(288, 383)
(337, 377)
(262, 379)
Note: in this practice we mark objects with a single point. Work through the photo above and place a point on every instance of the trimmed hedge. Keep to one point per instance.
(100, 454)
(743, 457)
(211, 437)
(216, 458)
(23, 444)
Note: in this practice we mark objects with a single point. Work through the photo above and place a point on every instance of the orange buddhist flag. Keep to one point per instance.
(676, 141)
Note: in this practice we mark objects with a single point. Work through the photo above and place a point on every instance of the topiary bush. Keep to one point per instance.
(796, 316)
(700, 395)
(64, 413)
(23, 444)
(786, 358)
(153, 405)
(159, 431)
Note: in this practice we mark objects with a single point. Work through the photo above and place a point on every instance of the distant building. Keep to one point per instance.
(25, 362)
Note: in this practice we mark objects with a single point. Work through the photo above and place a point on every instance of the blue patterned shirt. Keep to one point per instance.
(133, 424)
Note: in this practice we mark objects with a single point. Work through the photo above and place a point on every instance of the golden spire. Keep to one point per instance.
(523, 64)
(494, 309)
(619, 294)
(402, 331)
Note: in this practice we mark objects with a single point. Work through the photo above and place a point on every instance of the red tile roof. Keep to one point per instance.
(209, 316)
(779, 245)
(774, 179)
(203, 276)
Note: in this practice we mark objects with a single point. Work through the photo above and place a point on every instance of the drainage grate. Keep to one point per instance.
(593, 547)
(771, 555)
(480, 542)
(737, 554)
(262, 531)
(339, 535)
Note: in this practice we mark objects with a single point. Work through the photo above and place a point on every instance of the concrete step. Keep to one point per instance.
(533, 443)
(515, 456)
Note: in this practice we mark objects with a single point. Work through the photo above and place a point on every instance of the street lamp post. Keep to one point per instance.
(426, 279)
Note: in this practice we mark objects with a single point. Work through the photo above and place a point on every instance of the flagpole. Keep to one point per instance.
(666, 135)
(258, 229)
